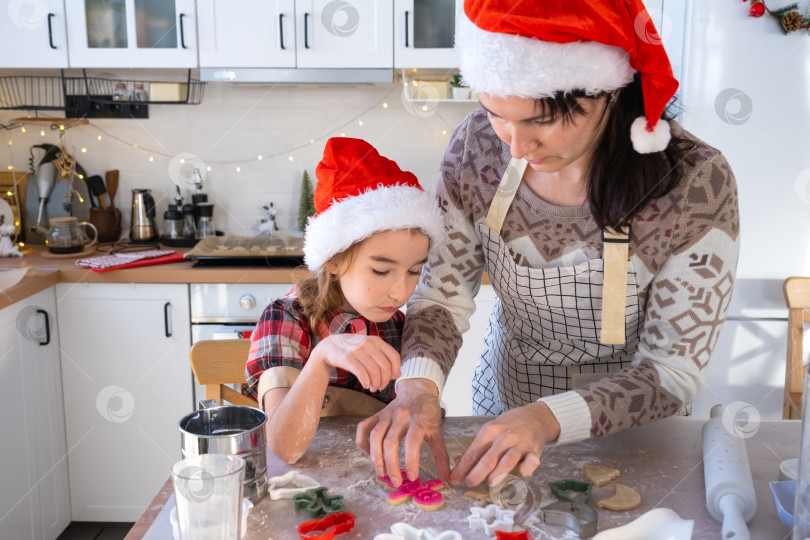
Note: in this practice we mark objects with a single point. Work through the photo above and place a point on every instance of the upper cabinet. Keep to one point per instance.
(295, 33)
(424, 32)
(32, 35)
(246, 33)
(132, 33)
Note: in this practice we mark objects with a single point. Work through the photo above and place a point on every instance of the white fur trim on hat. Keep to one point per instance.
(647, 142)
(356, 218)
(511, 65)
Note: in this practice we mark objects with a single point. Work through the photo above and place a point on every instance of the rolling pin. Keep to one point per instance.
(730, 495)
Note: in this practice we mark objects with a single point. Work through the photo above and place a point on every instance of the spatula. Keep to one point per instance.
(112, 185)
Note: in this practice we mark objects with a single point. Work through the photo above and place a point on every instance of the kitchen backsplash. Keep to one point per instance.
(238, 122)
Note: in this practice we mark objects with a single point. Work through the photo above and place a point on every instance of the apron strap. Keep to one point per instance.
(614, 287)
(510, 182)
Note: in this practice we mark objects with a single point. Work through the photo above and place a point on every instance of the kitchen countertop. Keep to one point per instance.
(52, 271)
(663, 461)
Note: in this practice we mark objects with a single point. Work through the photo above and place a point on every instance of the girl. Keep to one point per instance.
(332, 345)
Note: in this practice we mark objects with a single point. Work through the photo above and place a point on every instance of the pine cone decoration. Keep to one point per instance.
(792, 21)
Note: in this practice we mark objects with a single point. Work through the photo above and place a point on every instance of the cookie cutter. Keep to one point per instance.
(520, 535)
(403, 531)
(580, 518)
(561, 488)
(491, 518)
(301, 482)
(326, 528)
(318, 502)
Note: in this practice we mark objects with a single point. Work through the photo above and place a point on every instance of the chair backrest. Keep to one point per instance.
(797, 298)
(219, 362)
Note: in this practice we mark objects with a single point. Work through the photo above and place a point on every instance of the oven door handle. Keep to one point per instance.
(166, 329)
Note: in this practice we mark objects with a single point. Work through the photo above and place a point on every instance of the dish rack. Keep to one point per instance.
(65, 93)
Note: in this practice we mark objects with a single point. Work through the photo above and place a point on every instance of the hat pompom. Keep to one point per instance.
(647, 141)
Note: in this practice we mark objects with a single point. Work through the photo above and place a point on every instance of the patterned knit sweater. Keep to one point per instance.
(683, 257)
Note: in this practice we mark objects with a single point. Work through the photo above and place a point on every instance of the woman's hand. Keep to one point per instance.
(373, 361)
(414, 416)
(514, 438)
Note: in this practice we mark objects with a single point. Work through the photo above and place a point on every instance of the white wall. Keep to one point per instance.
(237, 122)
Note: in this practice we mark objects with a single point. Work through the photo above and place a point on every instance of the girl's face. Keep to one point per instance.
(382, 273)
(548, 145)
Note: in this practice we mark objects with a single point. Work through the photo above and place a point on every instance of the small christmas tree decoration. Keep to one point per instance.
(306, 207)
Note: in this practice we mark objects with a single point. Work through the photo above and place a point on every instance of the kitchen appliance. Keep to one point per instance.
(65, 235)
(48, 196)
(143, 227)
(229, 429)
(205, 220)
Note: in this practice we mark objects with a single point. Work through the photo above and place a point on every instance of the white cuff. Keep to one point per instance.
(573, 415)
(421, 367)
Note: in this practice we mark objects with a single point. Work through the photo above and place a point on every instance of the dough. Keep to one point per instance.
(599, 476)
(626, 498)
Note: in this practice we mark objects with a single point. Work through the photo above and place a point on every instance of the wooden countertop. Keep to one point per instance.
(51, 271)
(663, 461)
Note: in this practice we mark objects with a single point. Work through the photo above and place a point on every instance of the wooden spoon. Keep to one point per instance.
(111, 179)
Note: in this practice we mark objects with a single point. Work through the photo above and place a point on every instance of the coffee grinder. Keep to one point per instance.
(202, 208)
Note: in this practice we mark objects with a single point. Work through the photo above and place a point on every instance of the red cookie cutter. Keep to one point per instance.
(522, 535)
(326, 528)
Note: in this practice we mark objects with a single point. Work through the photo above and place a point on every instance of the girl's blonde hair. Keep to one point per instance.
(319, 293)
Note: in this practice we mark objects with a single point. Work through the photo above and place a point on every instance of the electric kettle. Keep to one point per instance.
(142, 226)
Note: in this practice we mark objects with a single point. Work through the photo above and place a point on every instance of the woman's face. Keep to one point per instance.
(382, 273)
(548, 145)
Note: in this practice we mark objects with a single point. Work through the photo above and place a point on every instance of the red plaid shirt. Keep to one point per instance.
(284, 337)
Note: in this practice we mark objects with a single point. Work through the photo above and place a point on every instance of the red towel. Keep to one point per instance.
(172, 257)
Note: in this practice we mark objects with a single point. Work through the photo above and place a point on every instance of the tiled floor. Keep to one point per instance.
(95, 531)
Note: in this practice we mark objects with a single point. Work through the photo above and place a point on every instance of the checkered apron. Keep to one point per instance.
(545, 326)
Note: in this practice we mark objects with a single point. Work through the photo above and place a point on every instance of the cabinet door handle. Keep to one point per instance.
(50, 33)
(166, 319)
(281, 30)
(406, 29)
(47, 326)
(306, 30)
(182, 32)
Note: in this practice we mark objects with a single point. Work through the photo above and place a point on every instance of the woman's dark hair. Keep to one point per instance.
(621, 182)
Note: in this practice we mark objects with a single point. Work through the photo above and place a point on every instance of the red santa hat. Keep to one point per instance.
(535, 49)
(359, 192)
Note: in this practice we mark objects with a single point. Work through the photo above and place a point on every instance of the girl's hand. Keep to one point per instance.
(514, 438)
(414, 416)
(373, 361)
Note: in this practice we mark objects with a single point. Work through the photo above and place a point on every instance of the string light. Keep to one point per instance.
(22, 128)
(135, 146)
(84, 150)
(312, 141)
(290, 157)
(9, 193)
(182, 160)
(9, 142)
(11, 167)
(238, 168)
(209, 168)
(342, 134)
(61, 127)
(444, 132)
(151, 158)
(42, 132)
(99, 137)
(360, 123)
(260, 157)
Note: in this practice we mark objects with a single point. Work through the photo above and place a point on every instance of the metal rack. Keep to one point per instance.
(56, 93)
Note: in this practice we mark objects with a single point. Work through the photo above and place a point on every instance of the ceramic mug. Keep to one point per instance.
(65, 235)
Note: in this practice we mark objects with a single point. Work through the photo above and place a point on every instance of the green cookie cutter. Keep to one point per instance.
(318, 503)
(560, 488)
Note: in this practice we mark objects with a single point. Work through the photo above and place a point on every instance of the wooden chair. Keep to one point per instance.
(797, 298)
(216, 363)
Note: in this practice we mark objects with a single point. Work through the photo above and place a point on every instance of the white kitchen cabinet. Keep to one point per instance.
(246, 33)
(333, 34)
(132, 33)
(424, 33)
(34, 498)
(33, 35)
(344, 34)
(127, 382)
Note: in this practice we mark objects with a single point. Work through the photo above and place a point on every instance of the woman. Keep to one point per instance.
(609, 234)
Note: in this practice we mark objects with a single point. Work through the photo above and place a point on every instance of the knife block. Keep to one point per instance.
(108, 223)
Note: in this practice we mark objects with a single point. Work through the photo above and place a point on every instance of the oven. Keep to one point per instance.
(228, 311)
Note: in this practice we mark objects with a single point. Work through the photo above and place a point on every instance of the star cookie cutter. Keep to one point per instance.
(423, 492)
(318, 502)
(326, 528)
(301, 482)
(403, 531)
(491, 518)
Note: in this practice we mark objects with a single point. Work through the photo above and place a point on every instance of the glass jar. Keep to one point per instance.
(121, 92)
(140, 94)
(173, 223)
(801, 510)
(206, 220)
(189, 228)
